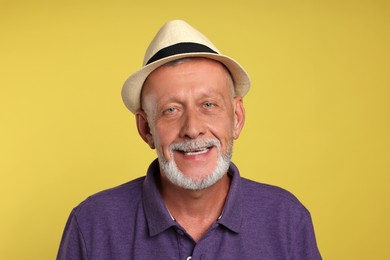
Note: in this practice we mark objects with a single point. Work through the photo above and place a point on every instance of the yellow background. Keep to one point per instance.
(318, 118)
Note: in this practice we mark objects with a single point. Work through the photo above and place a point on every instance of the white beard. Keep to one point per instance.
(172, 172)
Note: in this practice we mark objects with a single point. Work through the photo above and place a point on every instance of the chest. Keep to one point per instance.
(174, 243)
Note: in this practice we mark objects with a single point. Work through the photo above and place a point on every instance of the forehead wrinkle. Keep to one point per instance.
(229, 80)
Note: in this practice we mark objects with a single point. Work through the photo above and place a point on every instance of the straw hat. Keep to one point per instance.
(176, 40)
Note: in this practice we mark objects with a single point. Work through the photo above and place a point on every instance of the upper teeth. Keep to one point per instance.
(200, 151)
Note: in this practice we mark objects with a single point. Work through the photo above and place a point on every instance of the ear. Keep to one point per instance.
(239, 116)
(143, 128)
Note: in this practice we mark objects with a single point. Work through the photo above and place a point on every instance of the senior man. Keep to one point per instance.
(192, 203)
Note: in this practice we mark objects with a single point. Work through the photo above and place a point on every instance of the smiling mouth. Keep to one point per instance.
(198, 151)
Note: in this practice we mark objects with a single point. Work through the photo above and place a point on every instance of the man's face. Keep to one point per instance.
(191, 116)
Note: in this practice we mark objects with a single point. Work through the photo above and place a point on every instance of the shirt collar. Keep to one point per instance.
(159, 218)
(231, 216)
(157, 214)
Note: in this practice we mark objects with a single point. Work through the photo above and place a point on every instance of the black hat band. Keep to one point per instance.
(179, 48)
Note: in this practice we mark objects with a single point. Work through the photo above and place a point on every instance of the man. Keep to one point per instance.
(192, 204)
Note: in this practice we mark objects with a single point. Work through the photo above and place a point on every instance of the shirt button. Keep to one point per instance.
(189, 258)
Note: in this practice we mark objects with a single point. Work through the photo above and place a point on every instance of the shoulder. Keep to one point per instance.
(122, 197)
(104, 218)
(271, 213)
(271, 200)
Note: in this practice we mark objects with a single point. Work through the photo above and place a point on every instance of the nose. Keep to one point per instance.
(193, 125)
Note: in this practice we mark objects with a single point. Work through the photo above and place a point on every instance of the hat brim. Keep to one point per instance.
(131, 90)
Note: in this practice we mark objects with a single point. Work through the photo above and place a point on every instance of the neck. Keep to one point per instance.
(195, 211)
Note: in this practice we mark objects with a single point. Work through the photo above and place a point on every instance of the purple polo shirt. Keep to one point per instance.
(131, 222)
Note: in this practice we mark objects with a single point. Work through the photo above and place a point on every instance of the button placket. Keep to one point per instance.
(185, 244)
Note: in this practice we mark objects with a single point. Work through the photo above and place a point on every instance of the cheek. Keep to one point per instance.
(224, 132)
(222, 126)
(163, 137)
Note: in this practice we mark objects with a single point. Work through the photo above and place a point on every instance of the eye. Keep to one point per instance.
(208, 105)
(170, 110)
